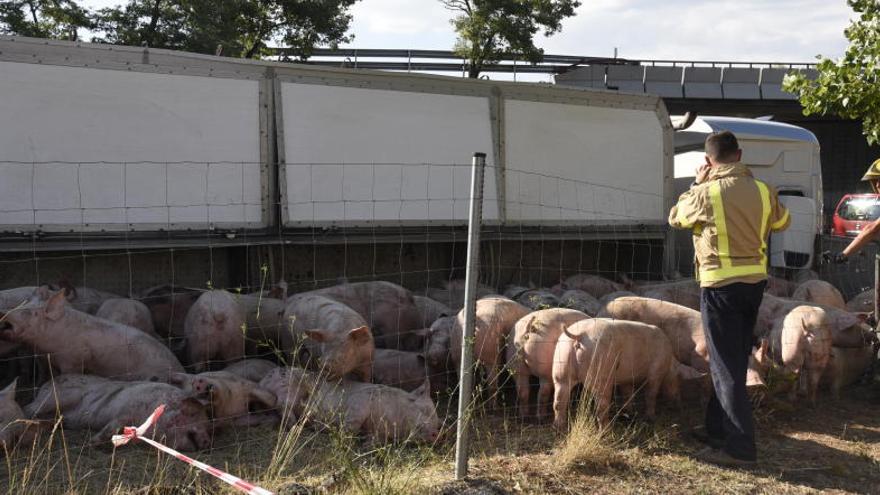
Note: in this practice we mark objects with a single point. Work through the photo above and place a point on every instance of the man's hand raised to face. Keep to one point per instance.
(702, 173)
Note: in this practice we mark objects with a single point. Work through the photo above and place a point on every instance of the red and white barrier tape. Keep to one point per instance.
(130, 433)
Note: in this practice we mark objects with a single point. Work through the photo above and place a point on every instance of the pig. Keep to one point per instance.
(291, 387)
(11, 298)
(79, 342)
(683, 326)
(383, 414)
(85, 402)
(169, 306)
(128, 312)
(230, 399)
(846, 366)
(430, 310)
(780, 287)
(495, 318)
(339, 341)
(532, 298)
(452, 294)
(603, 353)
(265, 322)
(819, 292)
(801, 343)
(607, 298)
(438, 354)
(85, 299)
(251, 369)
(214, 329)
(401, 369)
(760, 362)
(862, 303)
(530, 353)
(581, 301)
(389, 310)
(437, 345)
(277, 291)
(847, 329)
(683, 292)
(11, 418)
(594, 285)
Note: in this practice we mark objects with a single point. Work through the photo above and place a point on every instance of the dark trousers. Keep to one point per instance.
(729, 316)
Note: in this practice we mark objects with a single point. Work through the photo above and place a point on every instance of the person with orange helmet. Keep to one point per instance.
(869, 233)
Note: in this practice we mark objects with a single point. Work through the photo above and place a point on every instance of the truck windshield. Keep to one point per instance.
(866, 209)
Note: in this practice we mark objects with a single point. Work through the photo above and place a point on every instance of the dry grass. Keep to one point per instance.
(589, 446)
(832, 448)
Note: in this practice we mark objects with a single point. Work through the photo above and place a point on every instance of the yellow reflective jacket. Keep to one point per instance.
(731, 215)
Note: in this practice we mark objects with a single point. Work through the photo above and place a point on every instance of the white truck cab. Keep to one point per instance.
(782, 155)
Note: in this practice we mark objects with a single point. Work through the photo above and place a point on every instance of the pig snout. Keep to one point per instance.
(202, 386)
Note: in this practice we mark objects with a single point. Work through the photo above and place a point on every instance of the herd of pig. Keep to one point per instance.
(365, 356)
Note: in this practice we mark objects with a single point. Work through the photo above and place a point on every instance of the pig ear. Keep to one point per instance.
(845, 319)
(55, 306)
(424, 390)
(316, 335)
(8, 393)
(360, 334)
(178, 379)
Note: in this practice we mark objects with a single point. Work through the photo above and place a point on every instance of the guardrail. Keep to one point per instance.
(426, 60)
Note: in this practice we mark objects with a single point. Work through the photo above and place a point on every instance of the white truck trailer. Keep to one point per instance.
(102, 146)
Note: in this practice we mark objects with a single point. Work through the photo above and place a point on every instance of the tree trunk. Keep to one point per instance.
(253, 49)
(150, 35)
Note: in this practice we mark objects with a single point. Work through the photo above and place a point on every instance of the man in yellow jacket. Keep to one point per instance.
(731, 215)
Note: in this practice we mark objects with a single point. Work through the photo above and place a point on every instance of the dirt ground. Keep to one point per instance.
(834, 448)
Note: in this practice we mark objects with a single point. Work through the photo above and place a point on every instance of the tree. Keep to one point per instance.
(242, 27)
(850, 86)
(58, 19)
(489, 29)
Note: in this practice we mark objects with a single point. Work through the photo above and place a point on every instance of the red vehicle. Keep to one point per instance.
(855, 212)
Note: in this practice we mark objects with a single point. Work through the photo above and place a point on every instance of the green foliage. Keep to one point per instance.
(58, 19)
(488, 29)
(238, 28)
(848, 87)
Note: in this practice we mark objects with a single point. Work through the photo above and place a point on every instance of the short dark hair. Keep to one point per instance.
(722, 146)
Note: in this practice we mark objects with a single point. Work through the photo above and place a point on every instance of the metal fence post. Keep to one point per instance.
(466, 373)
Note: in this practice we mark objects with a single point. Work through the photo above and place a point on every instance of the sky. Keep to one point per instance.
(724, 30)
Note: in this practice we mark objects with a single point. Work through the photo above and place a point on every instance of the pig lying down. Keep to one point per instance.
(80, 343)
(382, 414)
(104, 407)
(230, 399)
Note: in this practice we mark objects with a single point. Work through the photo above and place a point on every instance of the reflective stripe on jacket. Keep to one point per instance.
(731, 215)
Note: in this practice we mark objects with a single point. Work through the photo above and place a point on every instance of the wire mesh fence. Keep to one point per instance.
(220, 272)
